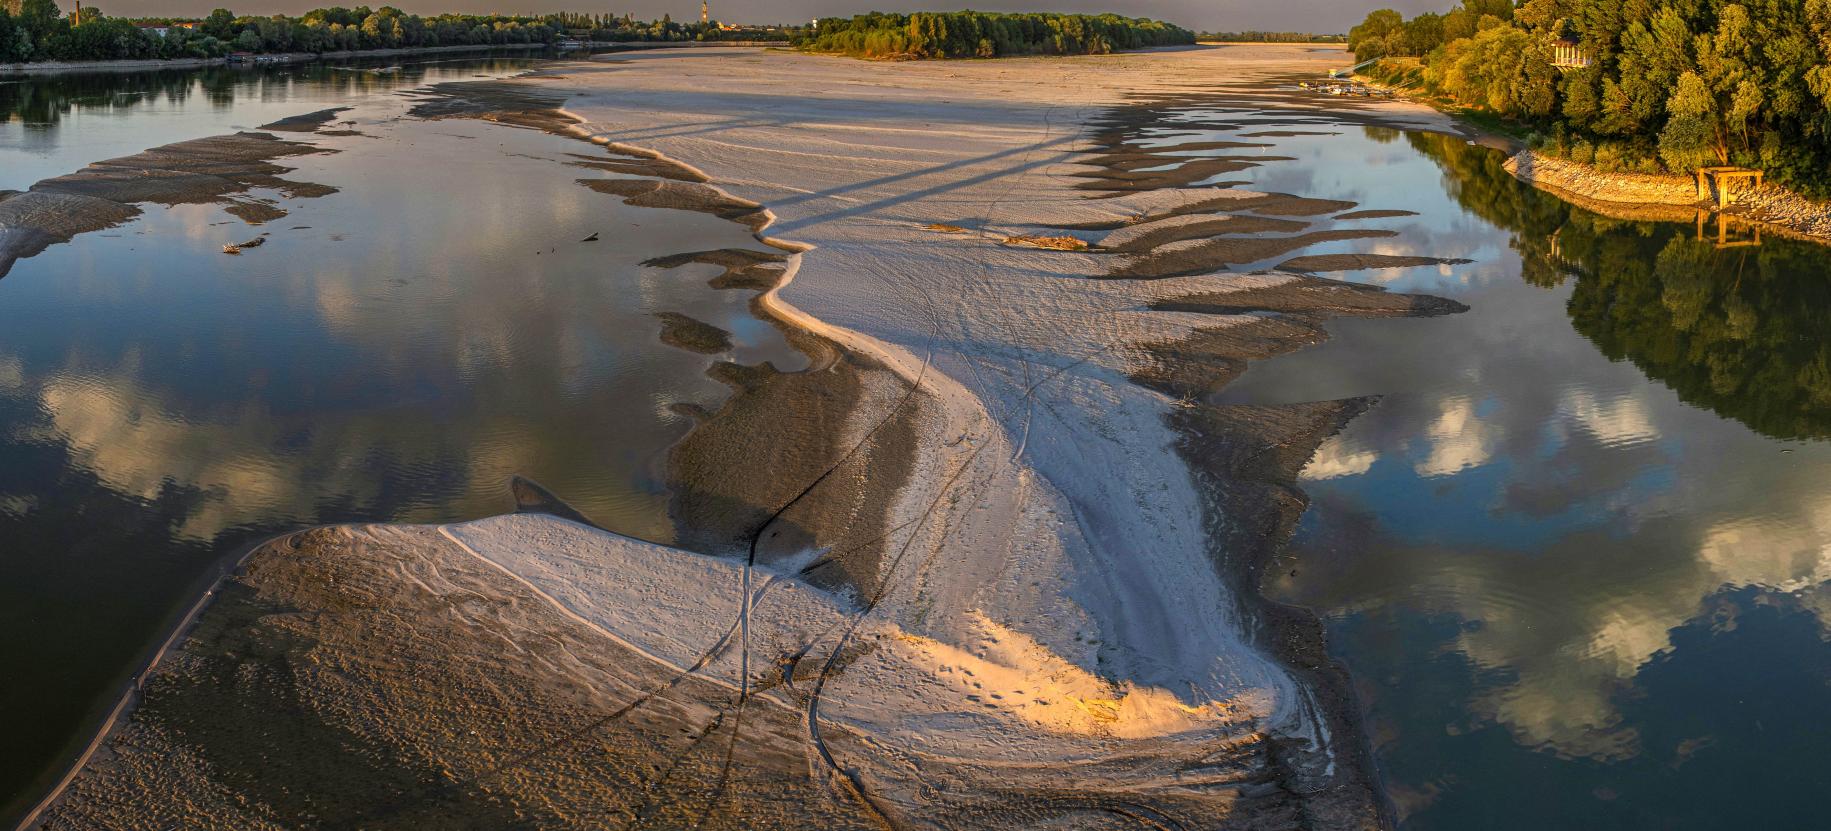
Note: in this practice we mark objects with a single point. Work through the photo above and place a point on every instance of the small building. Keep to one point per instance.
(159, 29)
(1569, 53)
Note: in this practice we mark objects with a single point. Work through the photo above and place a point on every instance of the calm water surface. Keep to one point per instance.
(395, 351)
(1577, 556)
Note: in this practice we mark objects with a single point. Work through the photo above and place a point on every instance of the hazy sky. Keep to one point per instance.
(1209, 15)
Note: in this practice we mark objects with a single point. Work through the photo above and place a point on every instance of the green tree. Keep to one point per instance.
(1373, 38)
(220, 24)
(40, 17)
(9, 38)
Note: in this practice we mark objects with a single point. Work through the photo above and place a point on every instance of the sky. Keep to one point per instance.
(1323, 16)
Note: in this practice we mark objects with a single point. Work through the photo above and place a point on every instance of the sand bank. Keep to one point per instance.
(989, 562)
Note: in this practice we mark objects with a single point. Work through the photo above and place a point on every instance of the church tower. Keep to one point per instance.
(705, 12)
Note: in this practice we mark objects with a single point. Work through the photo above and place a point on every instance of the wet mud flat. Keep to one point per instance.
(511, 672)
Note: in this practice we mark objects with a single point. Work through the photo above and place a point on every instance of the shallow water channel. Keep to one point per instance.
(395, 351)
(1576, 558)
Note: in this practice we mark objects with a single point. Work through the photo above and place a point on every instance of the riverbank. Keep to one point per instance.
(82, 67)
(1611, 192)
(1770, 204)
(996, 521)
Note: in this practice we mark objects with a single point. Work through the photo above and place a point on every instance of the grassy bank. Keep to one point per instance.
(929, 35)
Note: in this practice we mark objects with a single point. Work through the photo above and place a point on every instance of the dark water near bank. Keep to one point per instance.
(1578, 558)
(395, 351)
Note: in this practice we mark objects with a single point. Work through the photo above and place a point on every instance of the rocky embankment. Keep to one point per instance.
(1770, 204)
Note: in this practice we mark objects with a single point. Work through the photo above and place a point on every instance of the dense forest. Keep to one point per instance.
(1269, 37)
(1669, 85)
(41, 32)
(986, 35)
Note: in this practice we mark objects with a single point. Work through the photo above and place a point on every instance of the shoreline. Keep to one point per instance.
(1771, 206)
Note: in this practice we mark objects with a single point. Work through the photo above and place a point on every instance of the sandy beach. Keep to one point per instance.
(989, 561)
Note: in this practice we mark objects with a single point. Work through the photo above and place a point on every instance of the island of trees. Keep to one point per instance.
(986, 35)
(40, 31)
(1632, 85)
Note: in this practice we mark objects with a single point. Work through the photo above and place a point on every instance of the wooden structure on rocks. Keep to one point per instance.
(1717, 183)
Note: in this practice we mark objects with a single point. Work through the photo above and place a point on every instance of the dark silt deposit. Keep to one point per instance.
(1203, 256)
(683, 332)
(679, 195)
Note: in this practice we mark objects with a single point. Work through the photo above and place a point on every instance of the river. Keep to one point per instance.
(1574, 558)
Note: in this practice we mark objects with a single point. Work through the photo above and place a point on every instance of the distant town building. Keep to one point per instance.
(159, 29)
(705, 12)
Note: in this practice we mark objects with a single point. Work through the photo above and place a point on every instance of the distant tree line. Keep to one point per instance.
(1270, 37)
(986, 35)
(1386, 33)
(1670, 85)
(41, 32)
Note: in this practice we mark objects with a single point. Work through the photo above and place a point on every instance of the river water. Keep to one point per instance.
(1576, 558)
(396, 351)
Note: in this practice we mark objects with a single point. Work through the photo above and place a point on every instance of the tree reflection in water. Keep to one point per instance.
(1729, 326)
